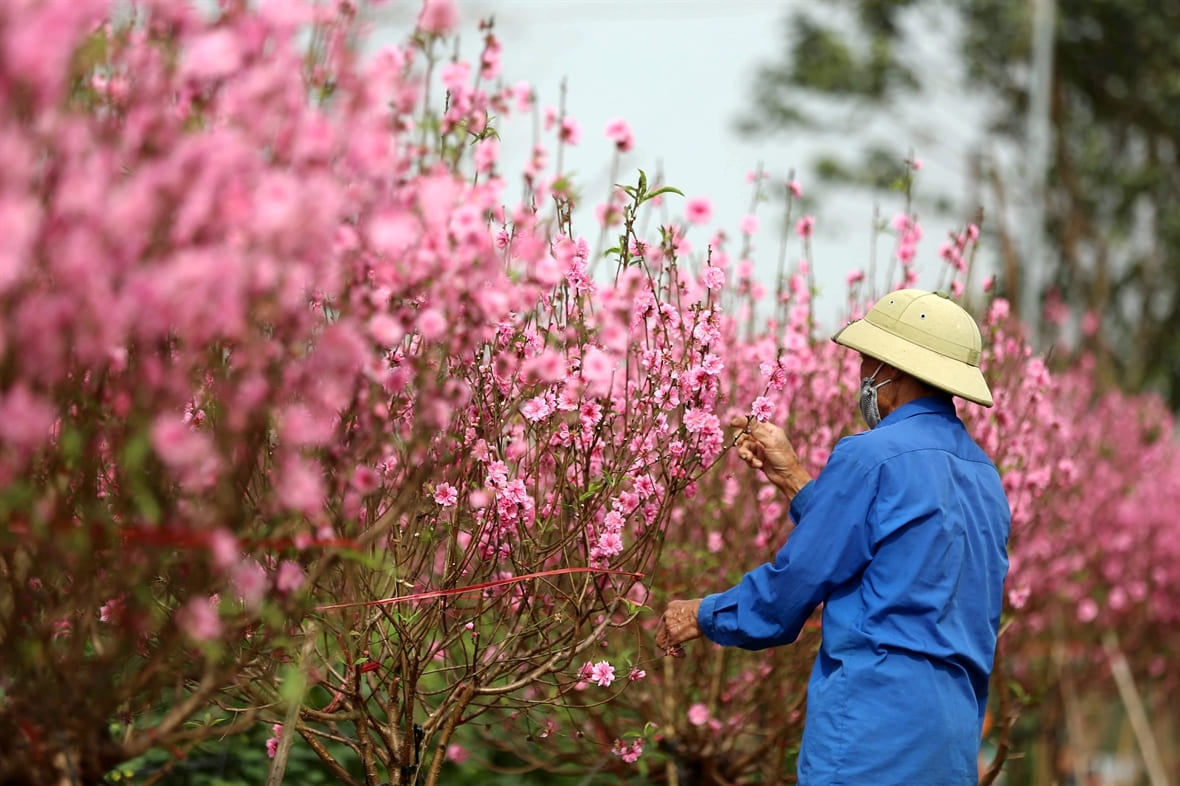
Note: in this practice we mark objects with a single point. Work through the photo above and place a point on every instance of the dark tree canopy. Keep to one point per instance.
(1112, 205)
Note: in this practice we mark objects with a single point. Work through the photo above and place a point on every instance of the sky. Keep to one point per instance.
(681, 72)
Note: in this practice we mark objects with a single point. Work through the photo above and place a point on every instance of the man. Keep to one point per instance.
(903, 539)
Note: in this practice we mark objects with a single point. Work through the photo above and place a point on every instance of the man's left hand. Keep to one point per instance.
(678, 624)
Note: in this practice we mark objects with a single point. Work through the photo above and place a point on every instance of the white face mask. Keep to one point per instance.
(868, 398)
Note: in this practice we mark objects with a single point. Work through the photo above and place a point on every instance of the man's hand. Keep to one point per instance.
(677, 625)
(765, 446)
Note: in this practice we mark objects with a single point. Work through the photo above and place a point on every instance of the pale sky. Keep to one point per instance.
(681, 72)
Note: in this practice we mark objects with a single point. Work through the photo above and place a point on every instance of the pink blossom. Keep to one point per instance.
(487, 152)
(628, 752)
(438, 17)
(795, 189)
(300, 486)
(19, 222)
(522, 92)
(385, 330)
(223, 548)
(748, 224)
(609, 545)
(597, 369)
(1087, 610)
(249, 581)
(698, 714)
(698, 210)
(537, 408)
(186, 450)
(571, 132)
(456, 753)
(300, 427)
(714, 278)
(446, 495)
(112, 611)
(366, 480)
(26, 418)
(698, 420)
(199, 619)
(619, 132)
(805, 226)
(602, 674)
(762, 409)
(272, 744)
(213, 55)
(636, 674)
(431, 324)
(454, 76)
(289, 577)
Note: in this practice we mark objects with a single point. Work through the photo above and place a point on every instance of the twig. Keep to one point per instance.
(1135, 710)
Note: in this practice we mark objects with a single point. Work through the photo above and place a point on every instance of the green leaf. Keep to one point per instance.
(660, 191)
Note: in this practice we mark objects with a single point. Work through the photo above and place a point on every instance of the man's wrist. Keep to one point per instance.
(792, 482)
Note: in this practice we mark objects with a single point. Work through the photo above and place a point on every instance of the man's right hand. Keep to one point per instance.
(765, 446)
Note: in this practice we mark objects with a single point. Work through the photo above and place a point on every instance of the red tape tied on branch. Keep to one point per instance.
(477, 587)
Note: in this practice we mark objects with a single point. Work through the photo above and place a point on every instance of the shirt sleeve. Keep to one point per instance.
(830, 546)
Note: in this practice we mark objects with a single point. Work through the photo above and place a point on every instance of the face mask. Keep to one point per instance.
(868, 398)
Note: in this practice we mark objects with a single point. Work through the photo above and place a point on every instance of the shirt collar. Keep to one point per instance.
(937, 404)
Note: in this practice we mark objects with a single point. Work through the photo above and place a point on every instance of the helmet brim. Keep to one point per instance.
(954, 376)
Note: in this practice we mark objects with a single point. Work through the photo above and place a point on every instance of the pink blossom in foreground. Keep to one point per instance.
(804, 227)
(438, 17)
(446, 495)
(762, 409)
(602, 674)
(619, 132)
(698, 210)
(249, 581)
(714, 278)
(628, 752)
(289, 577)
(571, 131)
(199, 619)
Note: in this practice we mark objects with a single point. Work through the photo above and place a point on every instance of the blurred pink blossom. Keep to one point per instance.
(438, 17)
(698, 210)
(619, 132)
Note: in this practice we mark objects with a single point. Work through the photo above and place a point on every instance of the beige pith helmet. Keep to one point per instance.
(926, 335)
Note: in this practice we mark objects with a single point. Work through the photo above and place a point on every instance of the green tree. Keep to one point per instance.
(1112, 196)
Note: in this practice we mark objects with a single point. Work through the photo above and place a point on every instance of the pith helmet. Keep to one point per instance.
(926, 335)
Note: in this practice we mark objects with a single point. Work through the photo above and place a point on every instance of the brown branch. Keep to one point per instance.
(1007, 719)
(327, 758)
(448, 729)
(211, 682)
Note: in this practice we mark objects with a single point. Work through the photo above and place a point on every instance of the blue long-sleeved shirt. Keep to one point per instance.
(903, 538)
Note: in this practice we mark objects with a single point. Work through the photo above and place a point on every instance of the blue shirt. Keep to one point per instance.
(903, 539)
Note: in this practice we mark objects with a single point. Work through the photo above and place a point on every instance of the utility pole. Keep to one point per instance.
(1033, 268)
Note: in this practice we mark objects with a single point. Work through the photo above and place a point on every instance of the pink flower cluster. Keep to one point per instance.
(242, 329)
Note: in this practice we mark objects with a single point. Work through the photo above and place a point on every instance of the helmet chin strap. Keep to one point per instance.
(869, 409)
